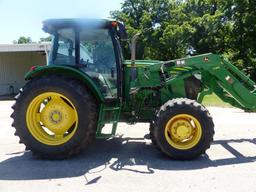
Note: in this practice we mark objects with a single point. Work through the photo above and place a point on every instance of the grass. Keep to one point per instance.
(214, 100)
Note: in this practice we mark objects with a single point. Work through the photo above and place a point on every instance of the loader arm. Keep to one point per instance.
(218, 75)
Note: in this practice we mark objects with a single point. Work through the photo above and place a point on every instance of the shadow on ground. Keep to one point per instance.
(117, 154)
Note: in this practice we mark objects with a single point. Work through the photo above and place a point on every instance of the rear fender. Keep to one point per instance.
(66, 71)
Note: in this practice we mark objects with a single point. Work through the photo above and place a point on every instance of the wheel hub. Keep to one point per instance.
(181, 130)
(56, 117)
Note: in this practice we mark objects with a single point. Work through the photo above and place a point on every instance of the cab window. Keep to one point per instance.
(98, 56)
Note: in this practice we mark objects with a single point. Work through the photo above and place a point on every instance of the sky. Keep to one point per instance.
(24, 17)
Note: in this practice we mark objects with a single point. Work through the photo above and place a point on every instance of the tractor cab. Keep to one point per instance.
(90, 45)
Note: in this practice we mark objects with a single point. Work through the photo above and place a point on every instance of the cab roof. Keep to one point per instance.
(51, 25)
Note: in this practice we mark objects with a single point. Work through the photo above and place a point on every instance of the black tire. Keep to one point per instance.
(82, 100)
(151, 135)
(183, 106)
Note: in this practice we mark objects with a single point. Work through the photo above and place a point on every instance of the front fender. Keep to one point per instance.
(66, 71)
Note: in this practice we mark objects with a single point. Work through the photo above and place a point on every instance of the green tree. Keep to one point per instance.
(170, 27)
(24, 40)
(163, 32)
(243, 47)
(45, 39)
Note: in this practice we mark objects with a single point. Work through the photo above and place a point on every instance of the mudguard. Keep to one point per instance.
(69, 71)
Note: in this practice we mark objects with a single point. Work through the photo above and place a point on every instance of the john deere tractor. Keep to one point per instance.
(87, 84)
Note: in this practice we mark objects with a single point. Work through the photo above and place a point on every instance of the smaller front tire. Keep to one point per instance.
(183, 129)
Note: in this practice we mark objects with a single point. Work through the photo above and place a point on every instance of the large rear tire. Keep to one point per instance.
(55, 117)
(183, 129)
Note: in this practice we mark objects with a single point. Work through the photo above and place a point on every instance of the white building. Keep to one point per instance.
(16, 60)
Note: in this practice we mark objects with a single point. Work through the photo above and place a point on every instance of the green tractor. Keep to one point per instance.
(87, 84)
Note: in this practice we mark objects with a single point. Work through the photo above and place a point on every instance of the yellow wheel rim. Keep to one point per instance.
(51, 118)
(183, 131)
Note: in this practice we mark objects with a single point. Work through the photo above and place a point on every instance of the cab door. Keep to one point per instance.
(97, 56)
